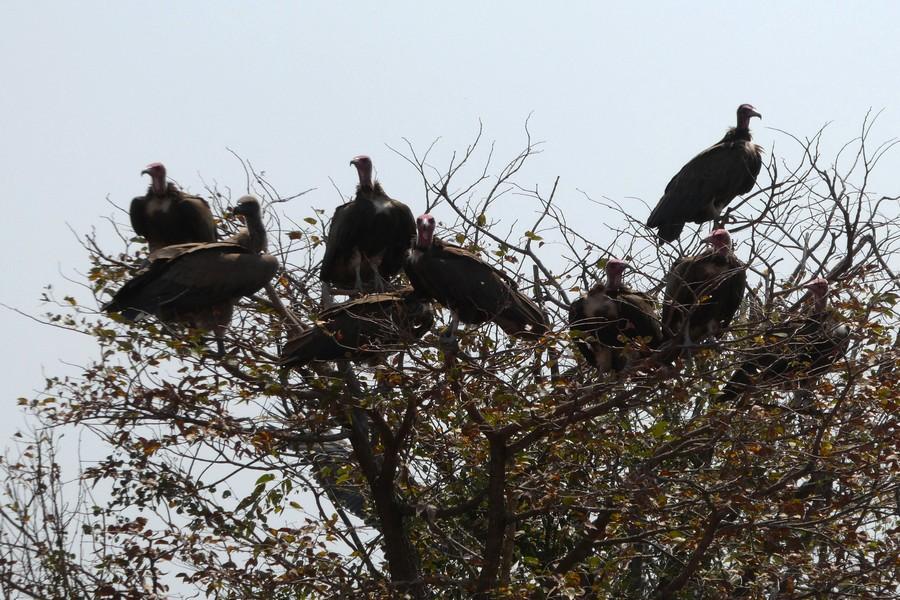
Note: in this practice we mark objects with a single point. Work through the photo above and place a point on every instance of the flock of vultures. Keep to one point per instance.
(193, 278)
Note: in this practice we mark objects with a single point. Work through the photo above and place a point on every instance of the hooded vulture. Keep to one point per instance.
(704, 292)
(609, 321)
(198, 284)
(249, 210)
(361, 328)
(793, 352)
(167, 216)
(368, 236)
(705, 186)
(473, 290)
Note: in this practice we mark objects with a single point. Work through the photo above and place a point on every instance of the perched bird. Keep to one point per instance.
(361, 328)
(474, 291)
(704, 292)
(198, 284)
(611, 318)
(795, 352)
(248, 209)
(368, 237)
(706, 184)
(167, 216)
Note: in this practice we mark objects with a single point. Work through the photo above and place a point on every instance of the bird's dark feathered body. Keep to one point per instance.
(703, 293)
(372, 233)
(172, 217)
(473, 289)
(361, 328)
(704, 186)
(194, 283)
(791, 354)
(604, 316)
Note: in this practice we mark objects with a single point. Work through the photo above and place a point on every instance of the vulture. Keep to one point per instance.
(474, 291)
(166, 215)
(706, 184)
(704, 292)
(368, 237)
(796, 351)
(249, 210)
(198, 283)
(361, 328)
(611, 318)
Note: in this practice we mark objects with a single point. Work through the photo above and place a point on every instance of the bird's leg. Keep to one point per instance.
(219, 333)
(327, 297)
(359, 282)
(380, 282)
(448, 340)
(687, 345)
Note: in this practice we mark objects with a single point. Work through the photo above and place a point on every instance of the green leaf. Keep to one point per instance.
(265, 478)
(659, 429)
(482, 220)
(310, 220)
(533, 236)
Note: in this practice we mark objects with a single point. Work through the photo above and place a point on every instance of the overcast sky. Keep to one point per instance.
(91, 92)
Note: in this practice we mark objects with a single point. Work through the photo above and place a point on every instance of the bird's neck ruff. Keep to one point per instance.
(738, 134)
(369, 190)
(168, 189)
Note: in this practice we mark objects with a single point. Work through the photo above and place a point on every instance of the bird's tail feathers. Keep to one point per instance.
(523, 318)
(669, 232)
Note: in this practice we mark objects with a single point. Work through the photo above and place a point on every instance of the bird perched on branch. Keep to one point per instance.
(361, 328)
(704, 292)
(368, 236)
(165, 215)
(613, 323)
(795, 352)
(474, 291)
(198, 284)
(706, 184)
(248, 209)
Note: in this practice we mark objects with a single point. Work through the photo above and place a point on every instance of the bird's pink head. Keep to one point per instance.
(614, 270)
(363, 166)
(818, 286)
(425, 231)
(157, 173)
(744, 113)
(720, 240)
(819, 289)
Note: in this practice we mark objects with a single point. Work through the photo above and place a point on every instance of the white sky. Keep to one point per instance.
(90, 92)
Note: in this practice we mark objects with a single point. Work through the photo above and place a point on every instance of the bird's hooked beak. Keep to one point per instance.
(753, 113)
(146, 172)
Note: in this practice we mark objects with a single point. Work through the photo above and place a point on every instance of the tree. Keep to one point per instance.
(510, 469)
